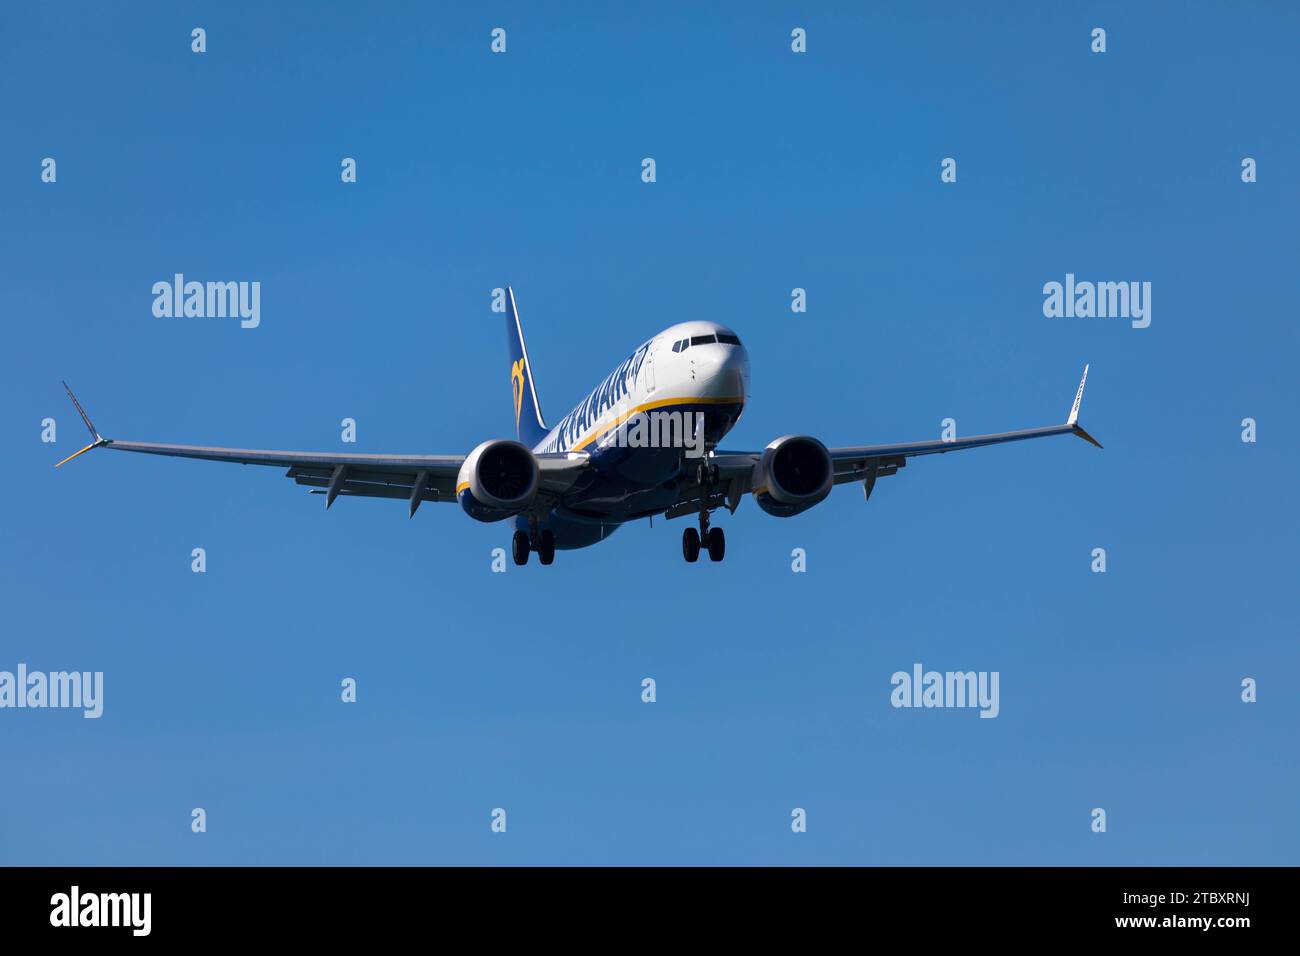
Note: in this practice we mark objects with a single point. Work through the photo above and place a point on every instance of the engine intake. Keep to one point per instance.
(497, 480)
(795, 473)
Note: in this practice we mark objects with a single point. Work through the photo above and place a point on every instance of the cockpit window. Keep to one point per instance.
(726, 338)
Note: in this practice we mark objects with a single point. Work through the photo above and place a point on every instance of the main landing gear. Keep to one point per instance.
(712, 539)
(543, 542)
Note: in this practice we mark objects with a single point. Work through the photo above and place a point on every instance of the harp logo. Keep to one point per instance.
(517, 384)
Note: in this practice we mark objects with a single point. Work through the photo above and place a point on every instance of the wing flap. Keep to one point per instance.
(377, 485)
(859, 469)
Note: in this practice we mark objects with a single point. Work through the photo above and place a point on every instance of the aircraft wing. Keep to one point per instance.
(416, 478)
(868, 462)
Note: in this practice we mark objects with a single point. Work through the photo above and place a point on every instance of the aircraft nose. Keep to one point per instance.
(725, 369)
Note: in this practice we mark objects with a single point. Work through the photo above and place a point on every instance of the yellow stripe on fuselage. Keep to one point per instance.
(599, 432)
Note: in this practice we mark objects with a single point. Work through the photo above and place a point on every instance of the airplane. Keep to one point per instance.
(644, 442)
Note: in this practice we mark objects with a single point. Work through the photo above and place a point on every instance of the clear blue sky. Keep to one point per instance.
(522, 690)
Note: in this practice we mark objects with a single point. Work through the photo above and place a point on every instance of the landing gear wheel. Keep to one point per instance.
(706, 475)
(546, 547)
(519, 547)
(691, 545)
(717, 544)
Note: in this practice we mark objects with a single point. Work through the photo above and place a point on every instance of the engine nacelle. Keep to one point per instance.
(794, 474)
(497, 480)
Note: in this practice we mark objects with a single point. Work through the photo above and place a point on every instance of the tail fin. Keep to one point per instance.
(530, 426)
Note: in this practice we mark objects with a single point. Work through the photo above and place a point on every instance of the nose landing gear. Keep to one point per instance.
(712, 539)
(717, 544)
(691, 545)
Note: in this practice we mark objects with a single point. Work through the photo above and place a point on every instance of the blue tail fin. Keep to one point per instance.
(530, 425)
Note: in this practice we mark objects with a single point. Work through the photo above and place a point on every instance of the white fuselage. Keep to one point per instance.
(676, 371)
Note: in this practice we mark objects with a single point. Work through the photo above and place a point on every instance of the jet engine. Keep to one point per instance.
(794, 474)
(497, 480)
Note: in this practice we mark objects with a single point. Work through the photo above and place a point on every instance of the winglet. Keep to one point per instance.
(99, 439)
(1073, 420)
(82, 412)
(1078, 399)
